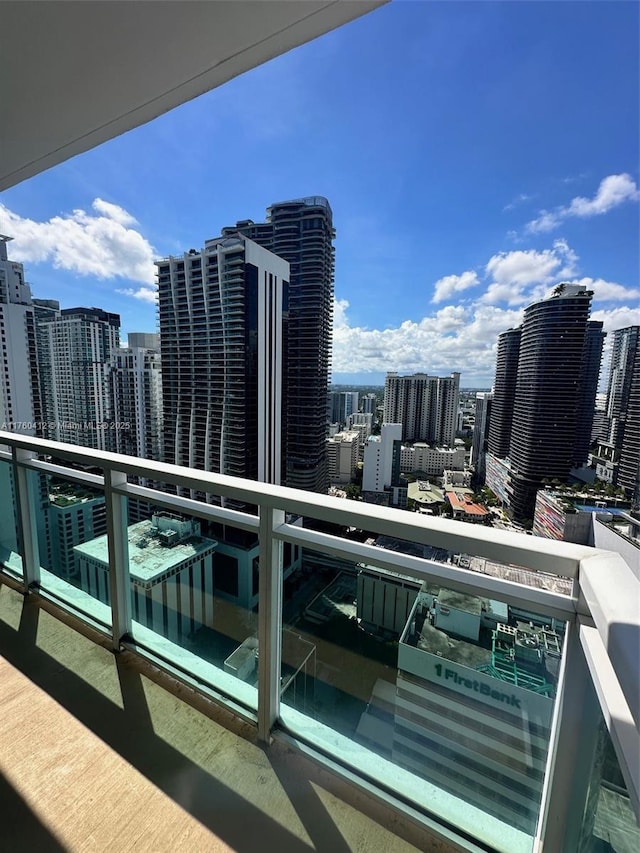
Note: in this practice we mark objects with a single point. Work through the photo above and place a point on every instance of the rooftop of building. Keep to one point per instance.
(65, 497)
(439, 643)
(500, 653)
(460, 601)
(150, 559)
(440, 448)
(461, 501)
(587, 500)
(425, 492)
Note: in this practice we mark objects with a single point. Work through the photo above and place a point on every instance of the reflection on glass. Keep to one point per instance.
(456, 689)
(72, 542)
(194, 596)
(10, 556)
(609, 824)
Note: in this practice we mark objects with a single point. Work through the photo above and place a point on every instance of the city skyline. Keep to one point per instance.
(458, 231)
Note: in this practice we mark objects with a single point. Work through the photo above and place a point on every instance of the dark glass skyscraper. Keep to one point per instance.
(558, 364)
(504, 392)
(593, 344)
(301, 232)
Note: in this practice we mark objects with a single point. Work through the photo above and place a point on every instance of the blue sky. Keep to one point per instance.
(474, 155)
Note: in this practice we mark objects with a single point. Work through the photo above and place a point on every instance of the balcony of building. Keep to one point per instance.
(190, 720)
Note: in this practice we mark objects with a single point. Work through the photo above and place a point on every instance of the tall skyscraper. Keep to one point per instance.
(484, 400)
(137, 394)
(629, 469)
(426, 406)
(589, 378)
(622, 444)
(624, 352)
(20, 404)
(76, 352)
(20, 408)
(558, 363)
(301, 232)
(504, 392)
(222, 335)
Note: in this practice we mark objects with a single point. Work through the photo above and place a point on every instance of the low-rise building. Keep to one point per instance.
(464, 509)
(568, 517)
(453, 479)
(432, 461)
(426, 496)
(498, 477)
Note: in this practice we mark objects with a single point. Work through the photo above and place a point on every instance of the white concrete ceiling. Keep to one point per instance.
(74, 74)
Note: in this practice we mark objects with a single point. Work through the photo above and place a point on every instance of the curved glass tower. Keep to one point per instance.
(553, 380)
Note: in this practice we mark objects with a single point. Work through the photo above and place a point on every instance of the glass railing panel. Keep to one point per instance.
(445, 699)
(194, 598)
(71, 521)
(609, 822)
(10, 547)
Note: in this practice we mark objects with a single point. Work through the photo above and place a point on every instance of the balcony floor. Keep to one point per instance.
(100, 752)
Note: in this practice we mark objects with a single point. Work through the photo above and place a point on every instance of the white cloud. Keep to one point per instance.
(114, 211)
(454, 338)
(340, 313)
(523, 275)
(99, 244)
(613, 191)
(464, 336)
(617, 318)
(146, 294)
(608, 291)
(450, 284)
(519, 199)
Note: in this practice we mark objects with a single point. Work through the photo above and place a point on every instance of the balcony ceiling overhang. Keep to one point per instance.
(75, 74)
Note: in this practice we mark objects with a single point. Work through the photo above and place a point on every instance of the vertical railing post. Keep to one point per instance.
(26, 519)
(119, 585)
(574, 741)
(269, 622)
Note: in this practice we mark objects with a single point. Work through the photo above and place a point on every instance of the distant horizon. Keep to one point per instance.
(369, 384)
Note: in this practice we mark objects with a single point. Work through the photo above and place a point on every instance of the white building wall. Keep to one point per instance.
(431, 460)
(378, 458)
(343, 452)
(138, 397)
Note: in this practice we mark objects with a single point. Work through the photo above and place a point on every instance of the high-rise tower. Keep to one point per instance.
(20, 404)
(623, 410)
(504, 390)
(137, 394)
(76, 350)
(426, 406)
(20, 409)
(484, 400)
(222, 333)
(557, 373)
(589, 378)
(301, 232)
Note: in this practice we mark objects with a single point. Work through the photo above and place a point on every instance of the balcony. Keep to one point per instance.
(315, 737)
